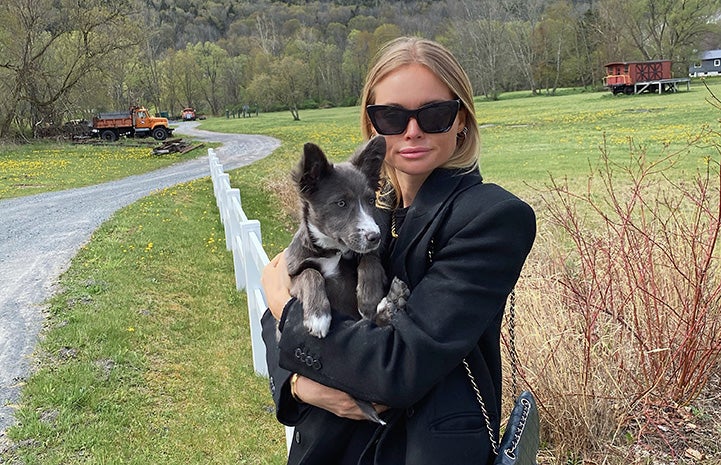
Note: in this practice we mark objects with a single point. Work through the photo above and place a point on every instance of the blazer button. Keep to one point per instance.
(309, 361)
(298, 353)
(317, 365)
(297, 437)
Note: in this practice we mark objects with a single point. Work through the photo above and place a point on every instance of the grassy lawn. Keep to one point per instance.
(526, 139)
(42, 166)
(146, 355)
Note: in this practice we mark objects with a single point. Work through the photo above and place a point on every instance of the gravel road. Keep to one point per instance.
(40, 234)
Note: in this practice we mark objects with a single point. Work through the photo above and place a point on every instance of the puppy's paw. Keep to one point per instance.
(394, 301)
(398, 293)
(384, 311)
(317, 325)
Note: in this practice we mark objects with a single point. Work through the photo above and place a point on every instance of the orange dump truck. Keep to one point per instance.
(136, 122)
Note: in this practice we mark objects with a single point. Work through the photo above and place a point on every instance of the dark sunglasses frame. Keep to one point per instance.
(426, 117)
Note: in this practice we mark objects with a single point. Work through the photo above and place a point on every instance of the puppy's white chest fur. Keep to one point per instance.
(329, 265)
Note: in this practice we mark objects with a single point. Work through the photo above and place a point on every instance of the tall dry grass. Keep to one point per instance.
(620, 302)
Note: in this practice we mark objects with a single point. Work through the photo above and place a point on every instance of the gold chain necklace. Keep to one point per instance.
(394, 234)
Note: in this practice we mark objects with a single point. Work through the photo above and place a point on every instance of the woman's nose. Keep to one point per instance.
(413, 129)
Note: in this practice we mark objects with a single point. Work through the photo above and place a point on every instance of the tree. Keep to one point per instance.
(356, 58)
(552, 40)
(291, 83)
(286, 84)
(587, 60)
(267, 34)
(172, 93)
(186, 75)
(479, 39)
(50, 47)
(662, 29)
(523, 17)
(233, 81)
(211, 61)
(258, 91)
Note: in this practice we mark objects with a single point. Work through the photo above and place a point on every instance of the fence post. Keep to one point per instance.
(238, 218)
(255, 260)
(216, 169)
(233, 216)
(239, 262)
(224, 207)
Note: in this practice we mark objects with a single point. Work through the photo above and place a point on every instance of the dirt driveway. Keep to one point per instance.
(40, 234)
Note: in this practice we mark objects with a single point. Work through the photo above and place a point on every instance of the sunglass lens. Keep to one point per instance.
(390, 120)
(438, 117)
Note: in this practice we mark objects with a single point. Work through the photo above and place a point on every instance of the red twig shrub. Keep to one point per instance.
(622, 297)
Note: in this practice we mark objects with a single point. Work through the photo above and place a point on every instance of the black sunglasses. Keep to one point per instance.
(432, 118)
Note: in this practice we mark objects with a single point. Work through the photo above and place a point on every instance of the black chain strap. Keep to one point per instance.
(512, 341)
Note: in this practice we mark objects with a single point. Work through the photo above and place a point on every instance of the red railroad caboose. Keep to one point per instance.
(634, 77)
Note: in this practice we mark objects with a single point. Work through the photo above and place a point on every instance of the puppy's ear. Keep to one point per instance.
(312, 167)
(370, 159)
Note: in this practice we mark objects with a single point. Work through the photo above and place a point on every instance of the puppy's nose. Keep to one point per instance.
(373, 236)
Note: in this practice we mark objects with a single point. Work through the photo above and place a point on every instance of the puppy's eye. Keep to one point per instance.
(340, 203)
(372, 200)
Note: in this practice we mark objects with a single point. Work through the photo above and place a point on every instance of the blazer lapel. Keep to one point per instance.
(433, 195)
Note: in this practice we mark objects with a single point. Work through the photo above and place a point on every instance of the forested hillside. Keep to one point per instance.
(65, 59)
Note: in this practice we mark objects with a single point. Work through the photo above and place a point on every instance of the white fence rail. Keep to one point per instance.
(243, 239)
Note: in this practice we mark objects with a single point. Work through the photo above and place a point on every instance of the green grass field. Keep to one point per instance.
(42, 166)
(145, 357)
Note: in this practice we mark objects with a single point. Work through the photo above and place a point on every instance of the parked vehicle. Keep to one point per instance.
(188, 114)
(634, 77)
(136, 122)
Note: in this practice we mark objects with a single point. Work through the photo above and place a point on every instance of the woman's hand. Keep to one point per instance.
(330, 399)
(276, 284)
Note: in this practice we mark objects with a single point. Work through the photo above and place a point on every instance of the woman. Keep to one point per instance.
(458, 243)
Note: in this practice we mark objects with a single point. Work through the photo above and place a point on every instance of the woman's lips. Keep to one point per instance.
(413, 152)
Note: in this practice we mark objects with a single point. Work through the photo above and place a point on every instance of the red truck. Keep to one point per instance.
(188, 114)
(136, 122)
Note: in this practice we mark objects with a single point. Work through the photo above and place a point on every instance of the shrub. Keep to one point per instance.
(622, 312)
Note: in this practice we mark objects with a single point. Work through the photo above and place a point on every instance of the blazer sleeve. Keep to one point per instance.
(288, 411)
(479, 249)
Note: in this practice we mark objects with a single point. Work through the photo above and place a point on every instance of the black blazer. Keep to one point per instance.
(460, 250)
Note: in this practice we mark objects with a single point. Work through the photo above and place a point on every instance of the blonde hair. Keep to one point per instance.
(414, 50)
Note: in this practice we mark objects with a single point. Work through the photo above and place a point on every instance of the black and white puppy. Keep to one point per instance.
(333, 258)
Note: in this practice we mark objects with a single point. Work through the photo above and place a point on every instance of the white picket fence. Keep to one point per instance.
(243, 239)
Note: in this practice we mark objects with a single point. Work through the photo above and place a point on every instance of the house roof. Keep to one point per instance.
(711, 54)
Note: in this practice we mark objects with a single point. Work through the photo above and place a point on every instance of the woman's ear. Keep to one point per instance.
(463, 116)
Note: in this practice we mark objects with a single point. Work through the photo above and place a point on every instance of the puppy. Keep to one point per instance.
(333, 258)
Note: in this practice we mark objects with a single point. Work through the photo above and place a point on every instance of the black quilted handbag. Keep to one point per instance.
(519, 444)
(521, 438)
